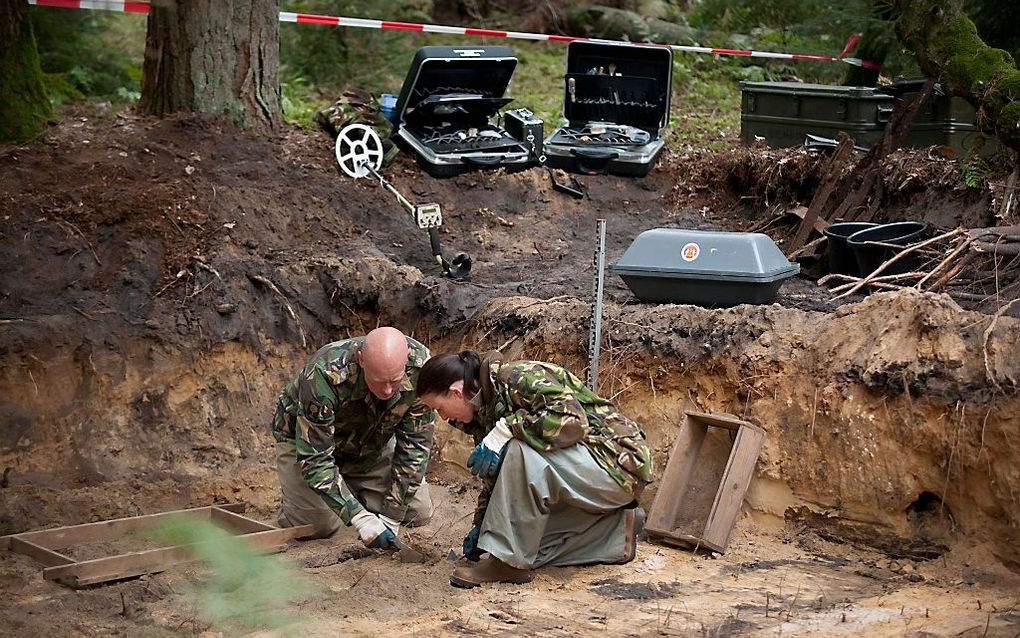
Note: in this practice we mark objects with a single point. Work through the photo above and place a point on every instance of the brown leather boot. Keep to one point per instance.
(489, 570)
(635, 525)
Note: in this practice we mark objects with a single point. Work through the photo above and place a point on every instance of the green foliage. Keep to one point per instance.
(246, 590)
(996, 22)
(974, 170)
(804, 26)
(706, 101)
(90, 53)
(538, 81)
(60, 91)
(332, 58)
(300, 100)
(742, 16)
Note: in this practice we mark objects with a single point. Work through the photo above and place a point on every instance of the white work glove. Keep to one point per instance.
(487, 456)
(373, 531)
(391, 524)
(498, 436)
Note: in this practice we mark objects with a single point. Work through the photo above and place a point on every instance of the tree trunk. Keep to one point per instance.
(947, 47)
(219, 57)
(24, 107)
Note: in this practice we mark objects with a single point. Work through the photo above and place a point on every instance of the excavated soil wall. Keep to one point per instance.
(883, 422)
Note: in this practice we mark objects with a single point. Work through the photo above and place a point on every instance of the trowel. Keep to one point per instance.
(407, 554)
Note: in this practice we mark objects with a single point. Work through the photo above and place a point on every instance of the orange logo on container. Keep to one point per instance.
(690, 251)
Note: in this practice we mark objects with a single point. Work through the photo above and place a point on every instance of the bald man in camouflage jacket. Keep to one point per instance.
(353, 439)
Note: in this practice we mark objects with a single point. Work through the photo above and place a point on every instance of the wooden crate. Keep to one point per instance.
(708, 472)
(42, 545)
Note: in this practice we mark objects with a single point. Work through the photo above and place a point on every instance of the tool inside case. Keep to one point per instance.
(611, 99)
(453, 120)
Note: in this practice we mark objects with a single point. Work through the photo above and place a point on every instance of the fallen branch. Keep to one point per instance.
(199, 291)
(953, 272)
(545, 301)
(290, 309)
(887, 279)
(84, 238)
(83, 313)
(1005, 249)
(807, 248)
(180, 274)
(964, 245)
(963, 295)
(898, 256)
(207, 268)
(819, 202)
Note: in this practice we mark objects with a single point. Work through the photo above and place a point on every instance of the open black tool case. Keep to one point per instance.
(447, 105)
(616, 102)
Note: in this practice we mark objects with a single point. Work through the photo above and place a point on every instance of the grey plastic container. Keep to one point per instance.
(706, 268)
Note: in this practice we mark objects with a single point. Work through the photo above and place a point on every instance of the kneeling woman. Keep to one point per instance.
(562, 467)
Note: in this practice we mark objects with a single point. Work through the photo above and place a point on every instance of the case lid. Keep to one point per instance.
(814, 90)
(631, 75)
(698, 254)
(456, 108)
(463, 71)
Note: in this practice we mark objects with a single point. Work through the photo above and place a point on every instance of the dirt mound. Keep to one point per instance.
(915, 184)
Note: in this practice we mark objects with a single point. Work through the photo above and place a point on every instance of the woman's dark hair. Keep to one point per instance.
(443, 370)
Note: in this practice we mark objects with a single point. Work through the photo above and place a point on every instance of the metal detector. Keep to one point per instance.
(359, 153)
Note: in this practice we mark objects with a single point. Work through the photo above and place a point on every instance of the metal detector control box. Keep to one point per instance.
(706, 268)
(447, 109)
(428, 216)
(616, 102)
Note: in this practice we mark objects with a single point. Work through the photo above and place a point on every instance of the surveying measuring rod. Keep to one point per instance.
(359, 154)
(595, 324)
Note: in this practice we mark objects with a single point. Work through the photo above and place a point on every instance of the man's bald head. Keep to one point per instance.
(383, 358)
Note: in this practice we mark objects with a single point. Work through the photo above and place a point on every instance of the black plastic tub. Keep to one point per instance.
(870, 257)
(841, 257)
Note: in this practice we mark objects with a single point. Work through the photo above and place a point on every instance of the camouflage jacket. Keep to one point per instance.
(337, 425)
(549, 408)
(358, 107)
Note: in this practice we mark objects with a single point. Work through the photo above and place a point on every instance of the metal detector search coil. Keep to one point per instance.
(359, 154)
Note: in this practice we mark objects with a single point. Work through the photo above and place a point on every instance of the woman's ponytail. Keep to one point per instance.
(443, 370)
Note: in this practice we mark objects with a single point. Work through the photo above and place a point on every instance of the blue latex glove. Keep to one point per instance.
(485, 459)
(483, 462)
(386, 540)
(471, 551)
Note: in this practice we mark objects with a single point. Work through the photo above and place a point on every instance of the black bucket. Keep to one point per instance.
(841, 258)
(871, 257)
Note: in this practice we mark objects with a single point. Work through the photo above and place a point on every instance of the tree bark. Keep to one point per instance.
(219, 57)
(947, 47)
(24, 107)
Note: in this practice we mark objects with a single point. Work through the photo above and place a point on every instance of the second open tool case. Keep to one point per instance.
(616, 102)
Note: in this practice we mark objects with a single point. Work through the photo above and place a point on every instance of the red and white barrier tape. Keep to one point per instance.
(335, 21)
